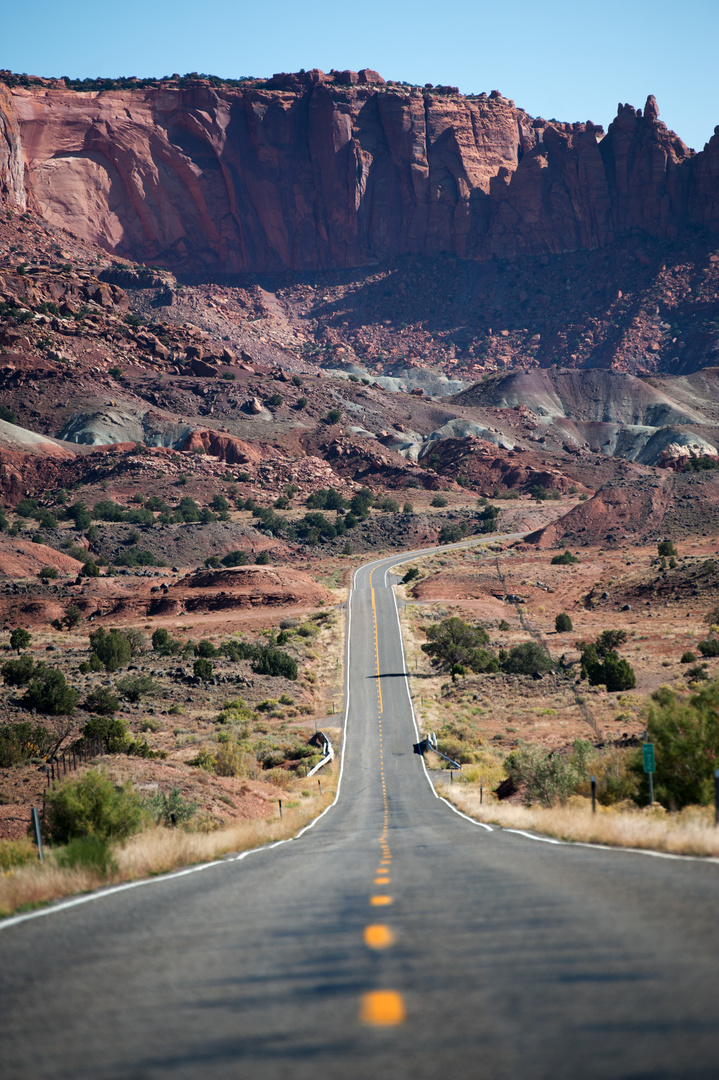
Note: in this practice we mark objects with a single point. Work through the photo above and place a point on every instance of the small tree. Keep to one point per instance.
(111, 731)
(20, 639)
(72, 616)
(563, 623)
(665, 548)
(685, 734)
(454, 643)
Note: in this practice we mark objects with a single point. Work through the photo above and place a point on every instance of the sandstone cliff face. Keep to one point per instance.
(339, 172)
(12, 166)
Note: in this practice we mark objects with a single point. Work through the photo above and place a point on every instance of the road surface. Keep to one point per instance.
(394, 939)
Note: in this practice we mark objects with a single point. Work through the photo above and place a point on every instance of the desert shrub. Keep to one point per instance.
(685, 733)
(48, 573)
(452, 534)
(8, 414)
(169, 808)
(527, 659)
(102, 701)
(618, 673)
(20, 639)
(164, 644)
(135, 556)
(333, 416)
(16, 853)
(609, 641)
(239, 650)
(454, 643)
(90, 568)
(709, 647)
(235, 712)
(135, 687)
(313, 527)
(207, 649)
(665, 548)
(187, 510)
(113, 648)
(361, 501)
(273, 661)
(565, 559)
(80, 515)
(87, 853)
(263, 559)
(326, 499)
(688, 657)
(563, 623)
(48, 692)
(73, 615)
(543, 776)
(91, 806)
(108, 510)
(111, 731)
(438, 500)
(301, 403)
(18, 672)
(22, 740)
(274, 401)
(503, 625)
(235, 558)
(203, 668)
(387, 505)
(411, 574)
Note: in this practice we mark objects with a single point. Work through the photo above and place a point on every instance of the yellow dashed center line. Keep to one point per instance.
(382, 1008)
(378, 936)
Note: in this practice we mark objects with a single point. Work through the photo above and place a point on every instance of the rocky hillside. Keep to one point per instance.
(313, 171)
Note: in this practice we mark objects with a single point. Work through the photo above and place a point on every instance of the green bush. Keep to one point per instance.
(113, 648)
(563, 623)
(48, 692)
(102, 701)
(411, 574)
(20, 639)
(87, 853)
(18, 672)
(685, 733)
(16, 853)
(454, 643)
(527, 659)
(688, 657)
(111, 731)
(164, 644)
(235, 558)
(665, 548)
(273, 661)
(91, 806)
(22, 740)
(565, 559)
(203, 668)
(333, 416)
(326, 499)
(263, 559)
(170, 808)
(135, 687)
(709, 647)
(438, 500)
(135, 556)
(207, 649)
(48, 573)
(546, 777)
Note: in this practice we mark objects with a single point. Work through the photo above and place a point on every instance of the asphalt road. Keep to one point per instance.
(393, 939)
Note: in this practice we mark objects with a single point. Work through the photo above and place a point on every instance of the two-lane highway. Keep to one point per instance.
(393, 939)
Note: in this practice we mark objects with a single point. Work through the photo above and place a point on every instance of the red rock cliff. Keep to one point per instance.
(320, 171)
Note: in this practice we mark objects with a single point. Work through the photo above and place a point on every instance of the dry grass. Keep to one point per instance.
(690, 833)
(156, 851)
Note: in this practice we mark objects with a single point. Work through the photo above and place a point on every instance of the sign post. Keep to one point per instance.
(649, 768)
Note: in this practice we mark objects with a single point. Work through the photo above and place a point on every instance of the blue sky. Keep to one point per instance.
(568, 59)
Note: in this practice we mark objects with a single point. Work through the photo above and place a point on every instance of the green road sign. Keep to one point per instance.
(648, 755)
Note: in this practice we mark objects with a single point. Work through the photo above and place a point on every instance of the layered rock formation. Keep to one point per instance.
(312, 171)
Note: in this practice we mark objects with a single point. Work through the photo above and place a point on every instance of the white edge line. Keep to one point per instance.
(414, 719)
(100, 894)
